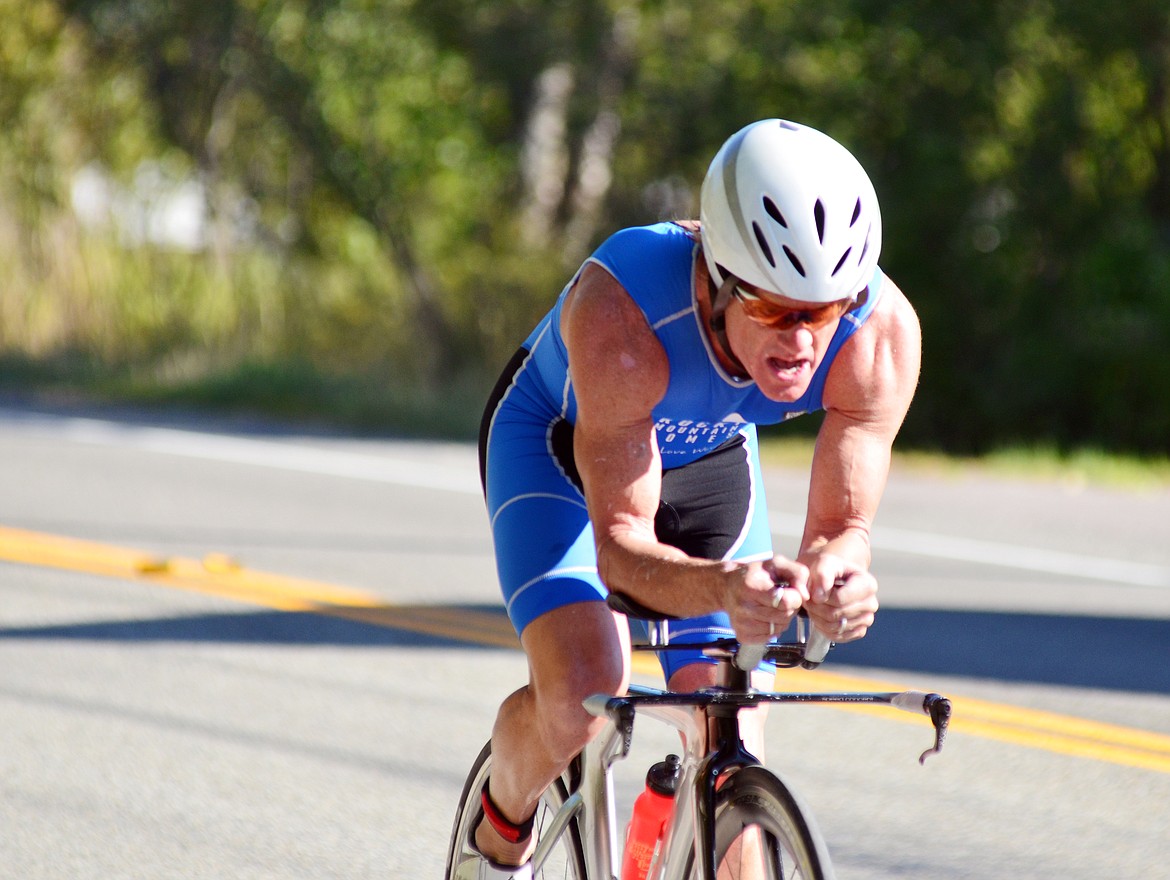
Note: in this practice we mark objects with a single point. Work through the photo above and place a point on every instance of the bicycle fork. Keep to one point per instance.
(731, 755)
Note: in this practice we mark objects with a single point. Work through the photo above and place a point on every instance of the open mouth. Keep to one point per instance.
(787, 370)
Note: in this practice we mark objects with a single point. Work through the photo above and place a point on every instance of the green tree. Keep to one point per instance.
(415, 181)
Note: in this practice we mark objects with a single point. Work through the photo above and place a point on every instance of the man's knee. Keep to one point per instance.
(696, 676)
(574, 652)
(565, 725)
(693, 677)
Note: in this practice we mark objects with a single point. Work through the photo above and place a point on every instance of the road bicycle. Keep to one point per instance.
(722, 789)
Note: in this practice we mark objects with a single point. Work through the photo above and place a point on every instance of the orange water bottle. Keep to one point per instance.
(652, 810)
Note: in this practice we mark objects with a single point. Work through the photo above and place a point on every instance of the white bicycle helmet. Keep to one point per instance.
(790, 210)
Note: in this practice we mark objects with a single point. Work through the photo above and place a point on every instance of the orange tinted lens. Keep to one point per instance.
(783, 318)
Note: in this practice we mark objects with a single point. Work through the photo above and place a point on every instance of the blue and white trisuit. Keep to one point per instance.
(712, 502)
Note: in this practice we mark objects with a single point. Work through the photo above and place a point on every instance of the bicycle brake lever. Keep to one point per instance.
(619, 710)
(939, 709)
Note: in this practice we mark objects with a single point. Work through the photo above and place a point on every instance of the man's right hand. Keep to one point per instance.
(761, 598)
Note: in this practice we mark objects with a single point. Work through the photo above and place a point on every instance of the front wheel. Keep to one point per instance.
(565, 859)
(763, 830)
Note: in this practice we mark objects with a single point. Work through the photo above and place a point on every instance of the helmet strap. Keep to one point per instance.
(718, 320)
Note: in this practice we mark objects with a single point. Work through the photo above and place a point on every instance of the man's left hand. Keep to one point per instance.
(842, 598)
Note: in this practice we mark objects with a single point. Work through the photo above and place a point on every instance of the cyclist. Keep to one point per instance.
(619, 448)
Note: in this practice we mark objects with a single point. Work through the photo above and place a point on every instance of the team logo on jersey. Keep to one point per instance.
(685, 435)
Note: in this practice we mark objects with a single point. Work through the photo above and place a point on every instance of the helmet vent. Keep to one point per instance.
(865, 249)
(774, 212)
(819, 217)
(763, 243)
(841, 262)
(794, 261)
(856, 213)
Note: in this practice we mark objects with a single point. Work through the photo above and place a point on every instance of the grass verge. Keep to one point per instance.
(292, 391)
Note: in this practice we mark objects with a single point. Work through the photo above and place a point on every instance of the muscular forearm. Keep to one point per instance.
(632, 561)
(662, 577)
(666, 579)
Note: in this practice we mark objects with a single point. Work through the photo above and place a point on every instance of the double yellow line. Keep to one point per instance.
(220, 576)
(1033, 728)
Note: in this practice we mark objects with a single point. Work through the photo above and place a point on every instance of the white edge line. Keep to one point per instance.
(352, 465)
(272, 454)
(1002, 555)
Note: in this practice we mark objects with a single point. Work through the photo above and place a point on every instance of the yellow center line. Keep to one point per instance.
(220, 576)
(1035, 728)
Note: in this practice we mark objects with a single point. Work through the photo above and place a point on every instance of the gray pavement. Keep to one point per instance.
(157, 732)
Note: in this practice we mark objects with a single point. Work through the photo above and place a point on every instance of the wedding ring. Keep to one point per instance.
(771, 629)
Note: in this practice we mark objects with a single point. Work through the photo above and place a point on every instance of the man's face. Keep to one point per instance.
(781, 342)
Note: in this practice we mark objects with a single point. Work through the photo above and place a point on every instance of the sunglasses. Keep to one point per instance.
(778, 317)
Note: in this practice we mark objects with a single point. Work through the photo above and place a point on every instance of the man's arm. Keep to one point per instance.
(620, 372)
(867, 394)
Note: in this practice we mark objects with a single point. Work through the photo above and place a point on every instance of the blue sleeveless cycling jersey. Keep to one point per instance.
(712, 486)
(704, 406)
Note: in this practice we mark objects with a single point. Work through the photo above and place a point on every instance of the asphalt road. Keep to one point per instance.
(274, 654)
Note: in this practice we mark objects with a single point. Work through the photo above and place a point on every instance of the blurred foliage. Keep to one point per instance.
(394, 190)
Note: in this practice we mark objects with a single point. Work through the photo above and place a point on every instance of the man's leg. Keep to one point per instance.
(574, 651)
